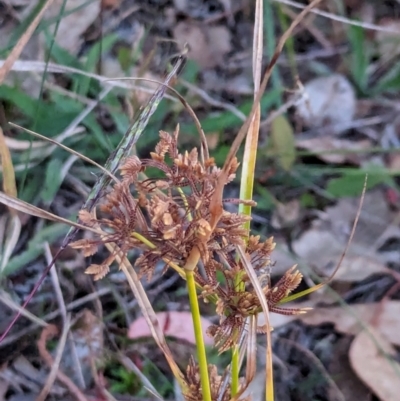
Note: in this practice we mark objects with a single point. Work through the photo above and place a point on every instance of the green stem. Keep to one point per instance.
(235, 370)
(198, 332)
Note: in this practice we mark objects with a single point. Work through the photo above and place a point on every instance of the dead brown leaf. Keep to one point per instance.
(322, 245)
(286, 214)
(372, 358)
(212, 140)
(377, 224)
(208, 45)
(329, 100)
(388, 43)
(78, 16)
(328, 148)
(321, 249)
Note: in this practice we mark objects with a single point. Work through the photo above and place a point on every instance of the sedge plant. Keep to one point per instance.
(181, 220)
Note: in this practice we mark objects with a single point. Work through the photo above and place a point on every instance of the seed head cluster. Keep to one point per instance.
(168, 216)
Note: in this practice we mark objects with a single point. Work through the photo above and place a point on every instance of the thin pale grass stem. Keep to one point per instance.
(33, 65)
(52, 315)
(214, 102)
(27, 208)
(251, 361)
(62, 377)
(334, 17)
(129, 365)
(63, 309)
(74, 152)
(21, 145)
(56, 284)
(6, 299)
(86, 111)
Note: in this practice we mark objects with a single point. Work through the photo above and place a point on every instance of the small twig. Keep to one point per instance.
(318, 35)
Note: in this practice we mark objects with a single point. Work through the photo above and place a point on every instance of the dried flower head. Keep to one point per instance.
(194, 391)
(167, 217)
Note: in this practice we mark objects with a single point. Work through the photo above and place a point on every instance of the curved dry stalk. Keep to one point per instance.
(24, 207)
(213, 102)
(343, 255)
(216, 200)
(269, 394)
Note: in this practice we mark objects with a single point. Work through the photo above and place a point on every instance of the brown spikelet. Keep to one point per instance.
(130, 169)
(89, 247)
(98, 271)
